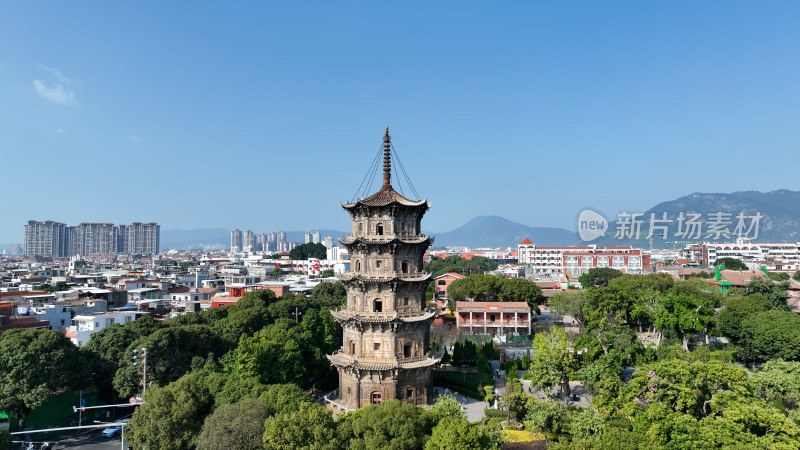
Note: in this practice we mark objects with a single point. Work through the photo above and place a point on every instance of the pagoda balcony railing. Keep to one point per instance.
(387, 236)
(351, 273)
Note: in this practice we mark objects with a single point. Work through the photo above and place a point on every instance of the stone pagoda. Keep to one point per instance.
(386, 322)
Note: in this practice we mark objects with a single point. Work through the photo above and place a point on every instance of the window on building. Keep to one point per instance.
(376, 398)
(379, 229)
(378, 263)
(409, 393)
(376, 346)
(441, 282)
(352, 348)
(358, 266)
(407, 350)
(404, 267)
(491, 318)
(378, 305)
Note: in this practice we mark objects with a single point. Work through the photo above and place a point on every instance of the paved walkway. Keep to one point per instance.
(472, 409)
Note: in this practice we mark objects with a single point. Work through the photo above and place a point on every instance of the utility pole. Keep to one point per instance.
(140, 357)
(297, 314)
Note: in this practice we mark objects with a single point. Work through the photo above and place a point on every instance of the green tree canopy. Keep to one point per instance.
(332, 294)
(731, 263)
(256, 298)
(171, 416)
(569, 303)
(598, 276)
(284, 398)
(169, 356)
(34, 365)
(770, 335)
(108, 345)
(779, 380)
(520, 290)
(309, 427)
(774, 292)
(736, 312)
(392, 424)
(456, 434)
(273, 355)
(234, 425)
(309, 250)
(553, 362)
(457, 264)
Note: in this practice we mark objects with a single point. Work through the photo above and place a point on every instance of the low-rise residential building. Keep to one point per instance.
(442, 282)
(84, 326)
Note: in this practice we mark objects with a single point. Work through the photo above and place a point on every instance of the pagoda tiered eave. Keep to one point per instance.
(409, 277)
(344, 363)
(389, 239)
(347, 316)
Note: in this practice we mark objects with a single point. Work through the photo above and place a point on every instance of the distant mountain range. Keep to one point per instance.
(495, 231)
(780, 222)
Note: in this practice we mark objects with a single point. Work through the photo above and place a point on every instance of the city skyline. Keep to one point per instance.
(560, 107)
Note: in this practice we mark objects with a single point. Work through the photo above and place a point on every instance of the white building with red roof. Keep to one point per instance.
(553, 262)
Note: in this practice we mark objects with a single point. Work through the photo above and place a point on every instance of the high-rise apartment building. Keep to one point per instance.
(248, 241)
(89, 238)
(141, 237)
(51, 238)
(281, 236)
(236, 240)
(46, 238)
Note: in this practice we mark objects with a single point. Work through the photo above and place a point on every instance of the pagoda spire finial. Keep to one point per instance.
(387, 159)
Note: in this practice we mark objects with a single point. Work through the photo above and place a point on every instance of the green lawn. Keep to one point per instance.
(464, 383)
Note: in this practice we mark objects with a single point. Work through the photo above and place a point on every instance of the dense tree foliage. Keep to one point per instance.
(598, 276)
(310, 426)
(457, 264)
(680, 404)
(734, 315)
(770, 335)
(392, 424)
(169, 356)
(553, 362)
(456, 433)
(309, 250)
(34, 365)
(774, 292)
(569, 303)
(489, 288)
(731, 263)
(237, 425)
(171, 416)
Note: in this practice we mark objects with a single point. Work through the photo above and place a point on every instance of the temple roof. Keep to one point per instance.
(386, 196)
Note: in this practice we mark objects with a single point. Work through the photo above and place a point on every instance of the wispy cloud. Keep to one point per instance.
(133, 138)
(56, 91)
(59, 76)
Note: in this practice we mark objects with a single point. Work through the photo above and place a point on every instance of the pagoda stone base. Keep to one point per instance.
(364, 387)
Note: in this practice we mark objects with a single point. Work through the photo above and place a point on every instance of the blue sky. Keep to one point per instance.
(264, 115)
